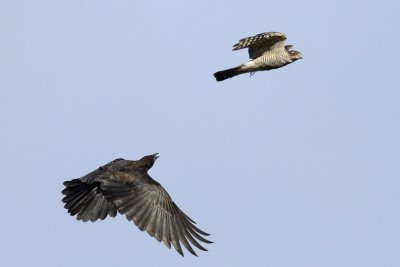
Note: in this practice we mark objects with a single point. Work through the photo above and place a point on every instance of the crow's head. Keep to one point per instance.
(148, 161)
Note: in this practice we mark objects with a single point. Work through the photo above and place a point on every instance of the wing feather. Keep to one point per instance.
(84, 197)
(86, 201)
(166, 237)
(260, 43)
(149, 206)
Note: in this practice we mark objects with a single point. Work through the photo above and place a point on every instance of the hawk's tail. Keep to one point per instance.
(226, 74)
(87, 201)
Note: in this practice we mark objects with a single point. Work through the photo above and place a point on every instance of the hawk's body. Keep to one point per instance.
(124, 186)
(266, 50)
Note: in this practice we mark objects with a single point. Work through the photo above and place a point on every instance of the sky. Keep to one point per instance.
(298, 166)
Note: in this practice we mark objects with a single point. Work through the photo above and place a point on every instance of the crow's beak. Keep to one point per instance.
(155, 155)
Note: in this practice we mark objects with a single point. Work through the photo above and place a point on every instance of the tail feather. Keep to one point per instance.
(226, 74)
(87, 201)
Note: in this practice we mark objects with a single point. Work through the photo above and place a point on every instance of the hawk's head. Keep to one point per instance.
(295, 55)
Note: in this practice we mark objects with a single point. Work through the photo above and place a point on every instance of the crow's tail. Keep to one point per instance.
(87, 201)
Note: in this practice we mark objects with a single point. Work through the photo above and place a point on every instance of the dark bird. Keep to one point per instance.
(266, 50)
(124, 186)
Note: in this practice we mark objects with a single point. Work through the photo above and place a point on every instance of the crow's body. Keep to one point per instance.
(124, 186)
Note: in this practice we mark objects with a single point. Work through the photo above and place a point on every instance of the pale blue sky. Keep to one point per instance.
(294, 167)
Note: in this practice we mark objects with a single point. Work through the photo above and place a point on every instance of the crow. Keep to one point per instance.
(124, 186)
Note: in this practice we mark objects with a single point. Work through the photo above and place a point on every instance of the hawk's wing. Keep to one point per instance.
(84, 197)
(146, 203)
(261, 43)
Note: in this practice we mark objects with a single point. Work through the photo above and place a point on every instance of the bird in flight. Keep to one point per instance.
(124, 186)
(266, 50)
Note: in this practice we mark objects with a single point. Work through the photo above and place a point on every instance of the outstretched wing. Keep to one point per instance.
(146, 203)
(84, 197)
(261, 43)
